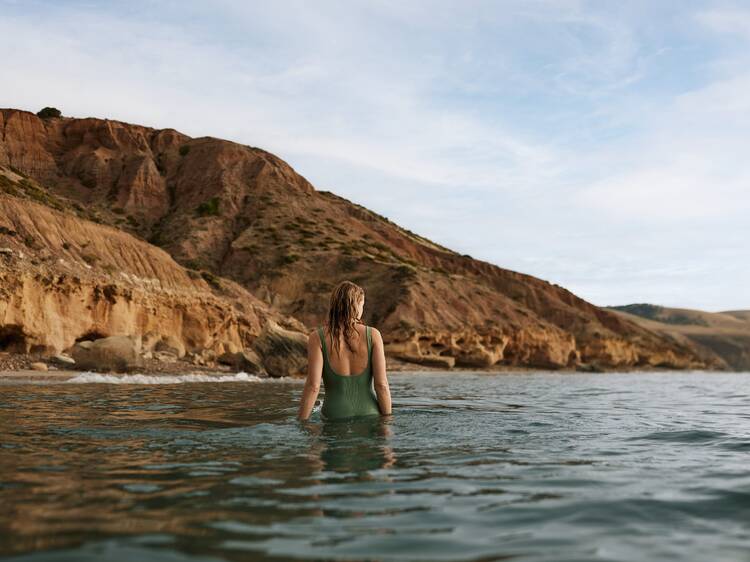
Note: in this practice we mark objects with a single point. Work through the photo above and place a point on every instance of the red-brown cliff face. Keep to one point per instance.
(243, 214)
(64, 278)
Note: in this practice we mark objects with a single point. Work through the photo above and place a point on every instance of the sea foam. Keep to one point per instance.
(89, 377)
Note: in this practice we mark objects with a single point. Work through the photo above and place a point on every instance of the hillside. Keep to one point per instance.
(241, 214)
(65, 279)
(721, 335)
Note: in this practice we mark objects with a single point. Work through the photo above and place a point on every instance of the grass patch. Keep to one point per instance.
(405, 271)
(9, 187)
(211, 279)
(208, 208)
(156, 238)
(194, 264)
(25, 188)
(30, 242)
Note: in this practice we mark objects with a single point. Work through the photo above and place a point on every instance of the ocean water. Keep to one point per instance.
(527, 467)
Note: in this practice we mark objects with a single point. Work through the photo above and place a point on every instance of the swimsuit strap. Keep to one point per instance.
(369, 344)
(323, 342)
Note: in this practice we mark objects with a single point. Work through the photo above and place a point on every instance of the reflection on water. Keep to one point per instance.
(356, 446)
(469, 467)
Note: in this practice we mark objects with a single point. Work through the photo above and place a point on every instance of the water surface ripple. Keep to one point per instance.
(528, 467)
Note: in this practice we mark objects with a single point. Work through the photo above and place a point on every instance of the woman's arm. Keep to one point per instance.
(314, 374)
(378, 372)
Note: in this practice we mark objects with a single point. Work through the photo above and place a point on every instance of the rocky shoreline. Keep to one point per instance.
(25, 366)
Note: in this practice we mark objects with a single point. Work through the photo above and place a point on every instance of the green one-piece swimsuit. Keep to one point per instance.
(348, 396)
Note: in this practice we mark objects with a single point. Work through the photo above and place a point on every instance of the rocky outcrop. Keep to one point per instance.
(248, 361)
(113, 353)
(283, 352)
(64, 280)
(254, 228)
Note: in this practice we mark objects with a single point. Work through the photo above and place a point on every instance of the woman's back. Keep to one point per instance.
(348, 395)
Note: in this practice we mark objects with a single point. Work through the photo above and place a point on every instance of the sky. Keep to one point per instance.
(598, 145)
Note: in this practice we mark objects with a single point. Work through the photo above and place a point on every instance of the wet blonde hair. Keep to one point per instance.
(342, 312)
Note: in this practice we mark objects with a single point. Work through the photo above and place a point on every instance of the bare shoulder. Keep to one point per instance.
(375, 333)
(313, 337)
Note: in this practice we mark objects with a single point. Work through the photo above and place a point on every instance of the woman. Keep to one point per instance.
(348, 371)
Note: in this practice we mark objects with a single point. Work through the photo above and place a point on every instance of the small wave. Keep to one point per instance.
(687, 436)
(89, 378)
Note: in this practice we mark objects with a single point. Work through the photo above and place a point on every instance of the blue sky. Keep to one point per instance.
(597, 145)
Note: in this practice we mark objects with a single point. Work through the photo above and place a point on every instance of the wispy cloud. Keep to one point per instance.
(544, 136)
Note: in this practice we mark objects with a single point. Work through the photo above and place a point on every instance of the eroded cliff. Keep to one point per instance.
(241, 214)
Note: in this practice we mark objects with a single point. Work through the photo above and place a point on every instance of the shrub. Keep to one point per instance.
(193, 264)
(404, 271)
(208, 208)
(49, 112)
(9, 186)
(211, 279)
(156, 238)
(184, 149)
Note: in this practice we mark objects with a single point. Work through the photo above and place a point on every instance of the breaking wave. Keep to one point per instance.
(89, 377)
